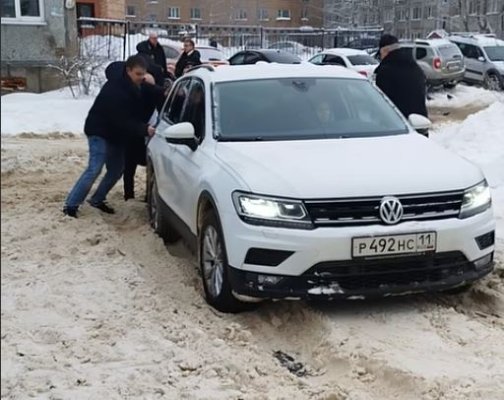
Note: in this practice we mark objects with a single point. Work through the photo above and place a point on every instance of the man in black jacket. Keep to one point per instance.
(155, 52)
(400, 77)
(189, 58)
(117, 114)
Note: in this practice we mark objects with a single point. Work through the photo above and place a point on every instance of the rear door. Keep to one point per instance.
(474, 67)
(451, 58)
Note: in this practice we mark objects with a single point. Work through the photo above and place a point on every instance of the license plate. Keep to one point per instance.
(377, 246)
(453, 67)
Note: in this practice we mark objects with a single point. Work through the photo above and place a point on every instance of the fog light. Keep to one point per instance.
(268, 279)
(483, 262)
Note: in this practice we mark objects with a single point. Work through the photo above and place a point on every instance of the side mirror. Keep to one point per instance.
(481, 58)
(419, 122)
(182, 133)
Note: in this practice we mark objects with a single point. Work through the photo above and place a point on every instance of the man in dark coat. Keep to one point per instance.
(152, 68)
(189, 58)
(117, 114)
(400, 77)
(153, 50)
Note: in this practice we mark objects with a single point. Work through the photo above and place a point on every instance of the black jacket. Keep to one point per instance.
(156, 54)
(186, 60)
(152, 67)
(121, 110)
(403, 81)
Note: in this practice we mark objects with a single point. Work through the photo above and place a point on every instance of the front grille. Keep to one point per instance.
(374, 274)
(365, 211)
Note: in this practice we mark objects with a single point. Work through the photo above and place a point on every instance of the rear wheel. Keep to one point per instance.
(214, 267)
(492, 82)
(157, 219)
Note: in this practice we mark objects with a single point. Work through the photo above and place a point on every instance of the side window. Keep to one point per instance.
(469, 51)
(333, 60)
(252, 58)
(238, 59)
(421, 53)
(317, 60)
(194, 112)
(177, 101)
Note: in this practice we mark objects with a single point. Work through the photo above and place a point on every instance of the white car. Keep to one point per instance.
(358, 60)
(293, 181)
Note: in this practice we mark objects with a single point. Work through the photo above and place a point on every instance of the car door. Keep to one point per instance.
(238, 59)
(474, 67)
(163, 164)
(252, 57)
(185, 163)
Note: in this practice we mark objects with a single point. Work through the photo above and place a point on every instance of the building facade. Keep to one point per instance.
(410, 19)
(267, 13)
(106, 9)
(35, 34)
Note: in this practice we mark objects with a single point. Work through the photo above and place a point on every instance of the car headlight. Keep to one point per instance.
(476, 200)
(270, 211)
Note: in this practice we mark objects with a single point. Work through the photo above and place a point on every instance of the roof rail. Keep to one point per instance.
(204, 66)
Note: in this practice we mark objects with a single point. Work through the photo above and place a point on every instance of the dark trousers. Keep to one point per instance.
(134, 155)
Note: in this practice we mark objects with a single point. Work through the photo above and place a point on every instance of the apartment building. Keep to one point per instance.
(417, 18)
(267, 13)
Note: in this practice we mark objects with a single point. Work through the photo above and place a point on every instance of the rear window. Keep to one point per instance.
(211, 54)
(450, 51)
(362, 59)
(283, 58)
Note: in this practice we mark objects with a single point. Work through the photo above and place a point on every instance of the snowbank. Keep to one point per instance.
(464, 96)
(44, 113)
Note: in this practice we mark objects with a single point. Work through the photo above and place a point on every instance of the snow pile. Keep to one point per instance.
(464, 96)
(44, 113)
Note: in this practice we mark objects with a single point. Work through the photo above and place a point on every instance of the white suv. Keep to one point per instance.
(301, 181)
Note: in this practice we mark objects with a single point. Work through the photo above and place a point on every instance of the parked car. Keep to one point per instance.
(358, 60)
(363, 44)
(441, 61)
(249, 164)
(209, 55)
(484, 59)
(268, 55)
(290, 47)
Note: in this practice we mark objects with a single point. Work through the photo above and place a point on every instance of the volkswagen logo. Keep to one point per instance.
(391, 210)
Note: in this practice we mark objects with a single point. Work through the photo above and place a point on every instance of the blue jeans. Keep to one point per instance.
(101, 153)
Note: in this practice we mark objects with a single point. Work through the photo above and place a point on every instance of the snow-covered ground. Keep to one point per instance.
(99, 308)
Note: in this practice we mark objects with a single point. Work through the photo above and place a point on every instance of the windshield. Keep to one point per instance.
(211, 54)
(495, 53)
(283, 58)
(362, 59)
(303, 108)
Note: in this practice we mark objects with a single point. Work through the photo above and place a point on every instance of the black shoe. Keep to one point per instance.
(129, 196)
(70, 211)
(103, 207)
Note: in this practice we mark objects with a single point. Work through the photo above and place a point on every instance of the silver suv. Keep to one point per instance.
(441, 61)
(484, 59)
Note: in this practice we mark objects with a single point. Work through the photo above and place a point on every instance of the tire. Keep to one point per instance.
(157, 219)
(459, 289)
(492, 82)
(214, 267)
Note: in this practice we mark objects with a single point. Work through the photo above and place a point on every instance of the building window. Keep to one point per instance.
(429, 11)
(24, 11)
(493, 7)
(284, 15)
(195, 13)
(151, 18)
(130, 11)
(241, 15)
(473, 7)
(417, 13)
(173, 12)
(388, 15)
(404, 14)
(262, 14)
(304, 14)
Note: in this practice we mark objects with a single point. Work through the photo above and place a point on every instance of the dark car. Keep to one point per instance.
(246, 57)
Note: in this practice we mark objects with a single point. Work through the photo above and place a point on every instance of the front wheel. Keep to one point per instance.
(214, 268)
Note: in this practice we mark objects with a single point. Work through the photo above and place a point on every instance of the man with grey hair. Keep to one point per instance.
(400, 77)
(154, 53)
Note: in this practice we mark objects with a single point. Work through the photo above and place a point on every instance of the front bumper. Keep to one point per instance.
(365, 279)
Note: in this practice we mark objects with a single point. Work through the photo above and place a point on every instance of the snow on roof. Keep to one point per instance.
(344, 51)
(481, 39)
(228, 73)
